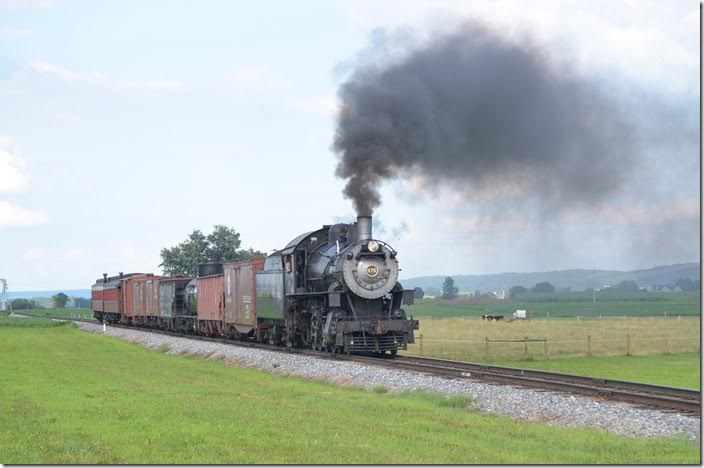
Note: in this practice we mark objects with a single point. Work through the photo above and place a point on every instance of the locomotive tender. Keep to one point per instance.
(334, 289)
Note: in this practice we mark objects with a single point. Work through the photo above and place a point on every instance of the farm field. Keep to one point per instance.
(77, 313)
(684, 304)
(567, 341)
(672, 370)
(73, 397)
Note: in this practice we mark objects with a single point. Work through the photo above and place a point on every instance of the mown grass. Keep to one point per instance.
(72, 397)
(684, 304)
(672, 370)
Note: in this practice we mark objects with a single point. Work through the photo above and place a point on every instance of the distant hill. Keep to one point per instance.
(35, 294)
(578, 279)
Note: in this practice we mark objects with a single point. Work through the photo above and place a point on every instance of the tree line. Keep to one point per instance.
(58, 301)
(450, 291)
(222, 245)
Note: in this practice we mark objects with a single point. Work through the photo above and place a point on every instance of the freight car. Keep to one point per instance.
(333, 289)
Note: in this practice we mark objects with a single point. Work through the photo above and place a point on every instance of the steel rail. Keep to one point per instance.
(647, 395)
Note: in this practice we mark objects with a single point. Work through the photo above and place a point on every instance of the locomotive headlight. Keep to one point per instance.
(373, 246)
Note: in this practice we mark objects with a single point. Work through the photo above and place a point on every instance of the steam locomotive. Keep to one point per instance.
(334, 289)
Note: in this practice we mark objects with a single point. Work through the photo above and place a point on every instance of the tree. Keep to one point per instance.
(222, 245)
(449, 291)
(418, 293)
(516, 290)
(543, 287)
(686, 284)
(24, 304)
(435, 292)
(59, 300)
(626, 285)
(81, 302)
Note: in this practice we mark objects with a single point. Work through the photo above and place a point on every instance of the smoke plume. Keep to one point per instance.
(473, 110)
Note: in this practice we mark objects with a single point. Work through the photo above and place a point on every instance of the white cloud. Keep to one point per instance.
(32, 254)
(252, 78)
(15, 216)
(156, 85)
(653, 43)
(73, 254)
(66, 75)
(12, 177)
(15, 5)
(14, 33)
(99, 79)
(321, 105)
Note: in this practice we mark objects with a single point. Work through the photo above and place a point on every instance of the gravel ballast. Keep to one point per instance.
(518, 403)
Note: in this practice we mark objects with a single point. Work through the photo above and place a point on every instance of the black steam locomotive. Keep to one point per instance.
(334, 289)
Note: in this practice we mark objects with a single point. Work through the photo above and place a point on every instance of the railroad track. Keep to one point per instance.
(651, 396)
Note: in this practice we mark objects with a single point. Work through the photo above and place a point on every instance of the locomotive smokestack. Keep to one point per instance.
(364, 227)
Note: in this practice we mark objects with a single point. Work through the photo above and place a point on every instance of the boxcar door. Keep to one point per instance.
(230, 294)
(245, 295)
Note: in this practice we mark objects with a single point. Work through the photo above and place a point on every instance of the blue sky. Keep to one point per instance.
(125, 125)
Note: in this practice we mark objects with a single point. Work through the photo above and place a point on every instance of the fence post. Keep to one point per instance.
(666, 347)
(421, 344)
(547, 351)
(629, 349)
(589, 345)
(525, 344)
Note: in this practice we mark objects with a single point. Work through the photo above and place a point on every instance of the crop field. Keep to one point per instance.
(671, 370)
(69, 396)
(75, 313)
(565, 306)
(473, 339)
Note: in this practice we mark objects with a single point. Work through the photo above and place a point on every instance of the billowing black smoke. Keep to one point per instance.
(473, 110)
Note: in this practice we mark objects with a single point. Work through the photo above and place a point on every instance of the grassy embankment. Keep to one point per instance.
(72, 397)
(673, 370)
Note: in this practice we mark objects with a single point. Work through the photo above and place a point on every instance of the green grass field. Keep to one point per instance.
(77, 313)
(26, 322)
(684, 304)
(672, 370)
(68, 396)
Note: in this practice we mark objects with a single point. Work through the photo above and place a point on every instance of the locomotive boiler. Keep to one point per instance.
(333, 289)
